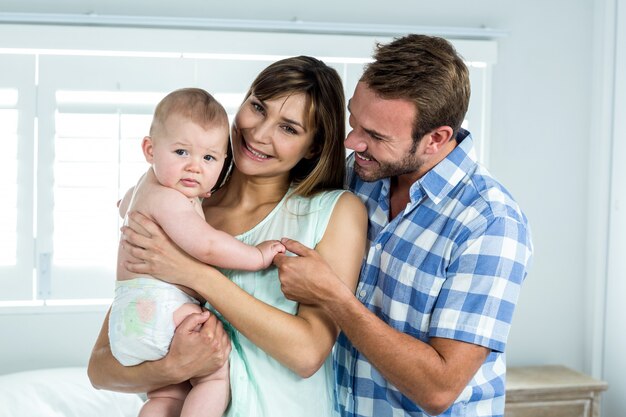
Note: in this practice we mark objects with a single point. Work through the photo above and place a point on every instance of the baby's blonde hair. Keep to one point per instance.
(194, 104)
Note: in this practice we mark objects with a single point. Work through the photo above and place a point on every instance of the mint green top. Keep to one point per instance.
(260, 385)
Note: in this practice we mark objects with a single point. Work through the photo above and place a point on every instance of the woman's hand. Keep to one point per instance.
(153, 252)
(200, 346)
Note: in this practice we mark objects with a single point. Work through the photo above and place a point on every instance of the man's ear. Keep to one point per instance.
(438, 138)
(147, 148)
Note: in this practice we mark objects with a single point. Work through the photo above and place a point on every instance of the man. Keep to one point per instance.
(448, 248)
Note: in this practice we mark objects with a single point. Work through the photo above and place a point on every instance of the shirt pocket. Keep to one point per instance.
(409, 296)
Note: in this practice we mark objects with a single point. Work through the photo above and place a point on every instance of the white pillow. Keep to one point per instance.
(61, 392)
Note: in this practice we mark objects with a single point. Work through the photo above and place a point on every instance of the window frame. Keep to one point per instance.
(17, 280)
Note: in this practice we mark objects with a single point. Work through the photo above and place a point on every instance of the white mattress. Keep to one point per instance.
(61, 392)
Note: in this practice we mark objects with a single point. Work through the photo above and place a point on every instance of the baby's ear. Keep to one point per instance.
(147, 148)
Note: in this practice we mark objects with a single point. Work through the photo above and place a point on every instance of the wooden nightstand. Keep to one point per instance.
(551, 391)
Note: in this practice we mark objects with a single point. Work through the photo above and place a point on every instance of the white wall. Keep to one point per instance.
(32, 340)
(539, 146)
(541, 105)
(614, 360)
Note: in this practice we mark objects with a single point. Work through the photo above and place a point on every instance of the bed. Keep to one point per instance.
(61, 392)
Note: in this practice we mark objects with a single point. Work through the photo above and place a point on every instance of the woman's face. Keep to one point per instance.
(270, 137)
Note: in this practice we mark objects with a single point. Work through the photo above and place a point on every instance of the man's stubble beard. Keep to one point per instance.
(408, 165)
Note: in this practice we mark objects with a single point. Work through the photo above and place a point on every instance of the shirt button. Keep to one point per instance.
(362, 293)
(349, 390)
(379, 246)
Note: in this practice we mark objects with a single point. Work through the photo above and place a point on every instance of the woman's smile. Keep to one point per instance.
(254, 153)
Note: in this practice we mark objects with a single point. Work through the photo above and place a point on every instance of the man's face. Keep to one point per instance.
(380, 135)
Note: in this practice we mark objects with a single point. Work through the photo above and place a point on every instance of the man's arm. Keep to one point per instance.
(432, 375)
(490, 264)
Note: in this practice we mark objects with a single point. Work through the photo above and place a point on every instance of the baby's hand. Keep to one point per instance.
(269, 249)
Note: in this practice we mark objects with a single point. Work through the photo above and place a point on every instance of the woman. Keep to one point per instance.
(287, 142)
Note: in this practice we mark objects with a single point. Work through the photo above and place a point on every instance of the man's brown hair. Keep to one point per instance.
(427, 71)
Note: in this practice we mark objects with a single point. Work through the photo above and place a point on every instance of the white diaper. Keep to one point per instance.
(141, 324)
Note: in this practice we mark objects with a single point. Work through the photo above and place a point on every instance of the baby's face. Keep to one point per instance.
(188, 157)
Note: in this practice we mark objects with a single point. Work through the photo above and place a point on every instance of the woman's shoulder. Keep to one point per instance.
(325, 204)
(330, 195)
(341, 199)
(325, 199)
(349, 207)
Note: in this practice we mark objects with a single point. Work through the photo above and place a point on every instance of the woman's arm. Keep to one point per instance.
(192, 353)
(301, 342)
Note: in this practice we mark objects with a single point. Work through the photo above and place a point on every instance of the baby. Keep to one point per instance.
(188, 151)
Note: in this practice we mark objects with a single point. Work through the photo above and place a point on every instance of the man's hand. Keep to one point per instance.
(306, 278)
(200, 346)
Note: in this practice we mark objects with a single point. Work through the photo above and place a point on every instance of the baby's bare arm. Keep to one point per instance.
(189, 230)
(269, 249)
(124, 203)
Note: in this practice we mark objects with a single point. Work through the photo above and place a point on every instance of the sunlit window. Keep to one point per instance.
(85, 187)
(8, 178)
(72, 122)
(97, 158)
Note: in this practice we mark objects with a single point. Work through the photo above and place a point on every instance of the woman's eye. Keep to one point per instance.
(257, 107)
(290, 130)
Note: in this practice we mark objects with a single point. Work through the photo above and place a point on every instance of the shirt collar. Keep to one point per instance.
(443, 177)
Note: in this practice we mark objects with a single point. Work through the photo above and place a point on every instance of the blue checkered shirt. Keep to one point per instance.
(450, 265)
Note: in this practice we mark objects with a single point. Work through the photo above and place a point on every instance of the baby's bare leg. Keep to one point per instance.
(166, 402)
(209, 396)
(183, 311)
